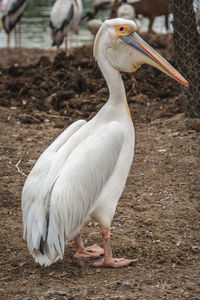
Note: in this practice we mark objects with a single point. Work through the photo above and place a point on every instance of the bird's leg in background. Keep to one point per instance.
(65, 38)
(167, 22)
(85, 252)
(8, 41)
(17, 38)
(108, 260)
(15, 35)
(151, 20)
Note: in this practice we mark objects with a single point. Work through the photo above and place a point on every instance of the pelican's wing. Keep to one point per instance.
(36, 188)
(78, 186)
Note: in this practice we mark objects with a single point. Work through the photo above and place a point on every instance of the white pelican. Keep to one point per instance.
(65, 15)
(126, 11)
(81, 175)
(12, 11)
(93, 25)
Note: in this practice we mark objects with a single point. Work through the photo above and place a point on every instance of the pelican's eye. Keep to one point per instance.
(122, 30)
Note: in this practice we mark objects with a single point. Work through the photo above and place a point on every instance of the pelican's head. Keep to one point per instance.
(126, 50)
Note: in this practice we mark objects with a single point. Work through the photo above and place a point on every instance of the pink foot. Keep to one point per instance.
(114, 263)
(90, 251)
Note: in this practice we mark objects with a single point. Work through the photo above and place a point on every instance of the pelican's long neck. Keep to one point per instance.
(112, 76)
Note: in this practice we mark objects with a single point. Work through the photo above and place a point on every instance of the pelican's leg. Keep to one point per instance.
(108, 260)
(85, 252)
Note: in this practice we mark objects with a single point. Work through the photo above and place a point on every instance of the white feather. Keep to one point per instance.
(126, 11)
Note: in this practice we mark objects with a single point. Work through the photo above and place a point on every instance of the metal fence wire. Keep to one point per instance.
(185, 23)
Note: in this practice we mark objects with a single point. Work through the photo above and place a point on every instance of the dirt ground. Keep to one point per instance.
(157, 218)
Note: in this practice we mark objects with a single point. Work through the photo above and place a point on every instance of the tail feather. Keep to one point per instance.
(43, 260)
(57, 37)
(36, 227)
(44, 234)
(56, 238)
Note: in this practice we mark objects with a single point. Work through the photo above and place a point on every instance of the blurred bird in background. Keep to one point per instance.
(117, 8)
(11, 13)
(65, 16)
(93, 25)
(126, 11)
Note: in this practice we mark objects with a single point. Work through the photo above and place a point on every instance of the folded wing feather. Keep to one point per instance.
(73, 193)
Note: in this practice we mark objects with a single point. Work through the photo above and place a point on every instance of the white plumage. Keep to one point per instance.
(65, 16)
(82, 173)
(93, 25)
(126, 11)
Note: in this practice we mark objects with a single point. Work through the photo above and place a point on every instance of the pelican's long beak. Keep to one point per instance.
(152, 57)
